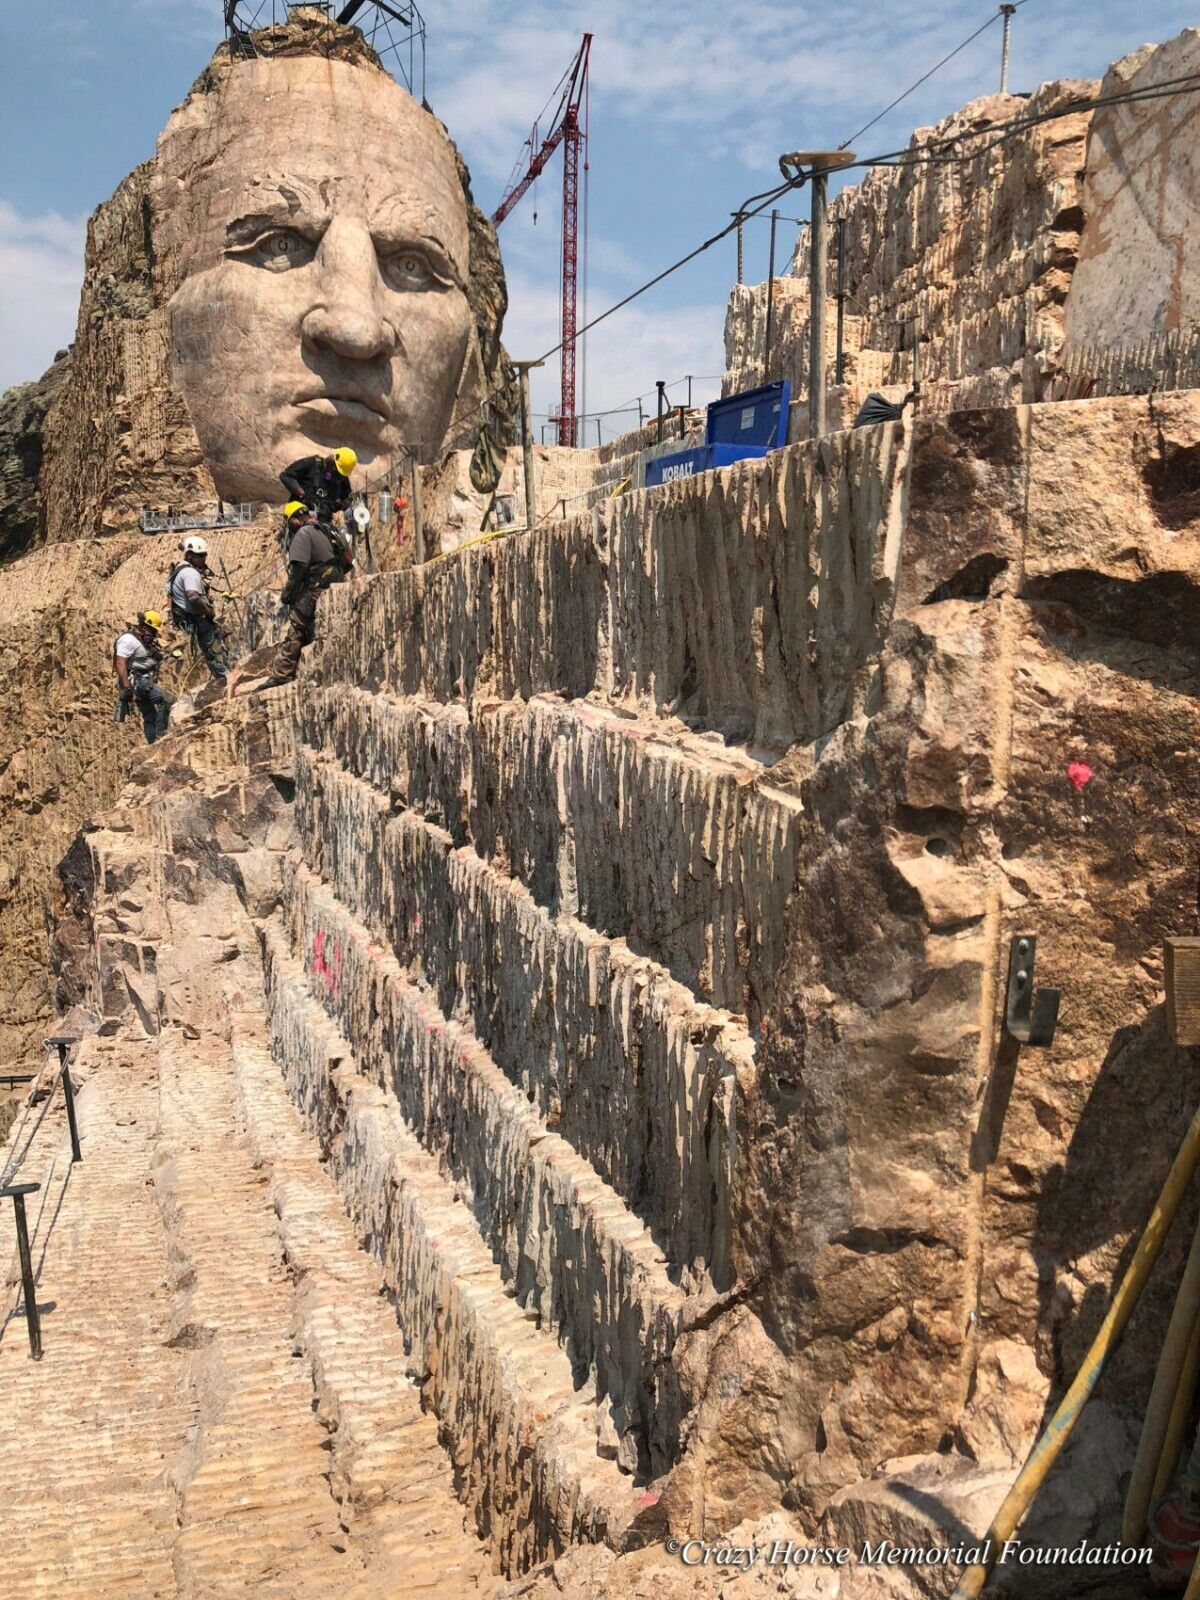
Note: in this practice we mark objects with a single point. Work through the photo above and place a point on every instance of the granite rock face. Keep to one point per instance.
(634, 899)
(22, 415)
(978, 253)
(1037, 258)
(1138, 276)
(898, 1212)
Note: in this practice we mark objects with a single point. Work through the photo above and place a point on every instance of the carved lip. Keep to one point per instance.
(349, 408)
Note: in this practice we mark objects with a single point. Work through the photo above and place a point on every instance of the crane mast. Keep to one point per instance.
(569, 129)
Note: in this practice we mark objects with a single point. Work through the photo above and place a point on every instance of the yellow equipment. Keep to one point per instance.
(1058, 1430)
(292, 507)
(152, 619)
(345, 461)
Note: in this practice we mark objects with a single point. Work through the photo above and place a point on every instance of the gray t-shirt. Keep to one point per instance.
(187, 586)
(311, 546)
(141, 662)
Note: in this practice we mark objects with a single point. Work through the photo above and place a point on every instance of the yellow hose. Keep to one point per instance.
(1162, 1398)
(1181, 1408)
(1059, 1428)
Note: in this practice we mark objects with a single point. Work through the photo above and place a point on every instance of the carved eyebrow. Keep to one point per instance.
(408, 219)
(273, 204)
(245, 230)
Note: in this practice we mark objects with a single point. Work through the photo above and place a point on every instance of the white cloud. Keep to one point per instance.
(41, 267)
(646, 341)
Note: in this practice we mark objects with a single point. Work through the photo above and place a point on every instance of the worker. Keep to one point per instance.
(295, 514)
(322, 483)
(136, 660)
(316, 559)
(191, 606)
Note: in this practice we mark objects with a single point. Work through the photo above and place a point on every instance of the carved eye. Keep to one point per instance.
(408, 269)
(282, 249)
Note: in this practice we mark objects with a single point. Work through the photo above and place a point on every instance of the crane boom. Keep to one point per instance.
(532, 172)
(569, 129)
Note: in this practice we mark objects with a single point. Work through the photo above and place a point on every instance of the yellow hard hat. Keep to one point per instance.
(292, 507)
(345, 461)
(152, 619)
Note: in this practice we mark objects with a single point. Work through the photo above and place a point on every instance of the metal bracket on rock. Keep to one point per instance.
(1030, 1019)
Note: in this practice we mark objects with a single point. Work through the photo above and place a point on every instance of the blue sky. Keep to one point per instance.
(690, 107)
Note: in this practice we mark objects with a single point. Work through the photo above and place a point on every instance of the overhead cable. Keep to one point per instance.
(1003, 132)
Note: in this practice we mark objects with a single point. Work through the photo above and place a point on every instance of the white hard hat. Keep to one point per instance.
(194, 545)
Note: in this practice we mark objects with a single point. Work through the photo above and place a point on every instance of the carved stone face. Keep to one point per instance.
(311, 231)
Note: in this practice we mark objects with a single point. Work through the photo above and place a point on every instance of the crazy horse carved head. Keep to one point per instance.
(313, 239)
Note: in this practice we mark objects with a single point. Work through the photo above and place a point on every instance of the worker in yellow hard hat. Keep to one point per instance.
(321, 482)
(137, 657)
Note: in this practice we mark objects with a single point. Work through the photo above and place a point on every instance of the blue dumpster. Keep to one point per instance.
(739, 428)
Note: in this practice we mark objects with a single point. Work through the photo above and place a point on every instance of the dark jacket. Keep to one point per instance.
(317, 482)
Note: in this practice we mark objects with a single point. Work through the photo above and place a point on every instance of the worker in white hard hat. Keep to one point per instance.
(191, 606)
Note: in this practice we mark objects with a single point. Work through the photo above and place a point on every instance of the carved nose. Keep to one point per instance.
(348, 316)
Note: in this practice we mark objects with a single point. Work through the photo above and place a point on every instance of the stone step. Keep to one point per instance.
(92, 1430)
(523, 1438)
(564, 1240)
(389, 1473)
(637, 826)
(254, 1505)
(616, 1056)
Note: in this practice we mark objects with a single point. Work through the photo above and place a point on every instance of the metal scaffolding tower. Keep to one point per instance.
(395, 29)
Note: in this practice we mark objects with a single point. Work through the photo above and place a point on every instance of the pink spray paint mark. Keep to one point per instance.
(1080, 775)
(326, 967)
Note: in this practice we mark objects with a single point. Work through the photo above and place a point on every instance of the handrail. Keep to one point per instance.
(16, 1192)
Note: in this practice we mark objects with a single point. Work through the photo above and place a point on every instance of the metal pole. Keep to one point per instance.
(662, 400)
(418, 516)
(641, 414)
(682, 422)
(689, 379)
(18, 1191)
(599, 440)
(524, 368)
(1006, 12)
(916, 354)
(770, 302)
(740, 258)
(840, 367)
(818, 260)
(62, 1044)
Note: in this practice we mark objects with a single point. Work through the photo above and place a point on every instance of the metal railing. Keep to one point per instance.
(153, 521)
(22, 1143)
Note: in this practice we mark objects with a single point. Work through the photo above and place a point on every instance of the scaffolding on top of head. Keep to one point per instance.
(395, 30)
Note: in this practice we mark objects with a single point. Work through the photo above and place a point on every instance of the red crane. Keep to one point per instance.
(568, 128)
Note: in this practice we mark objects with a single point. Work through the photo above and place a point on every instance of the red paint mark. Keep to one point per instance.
(1080, 775)
(650, 1498)
(326, 961)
